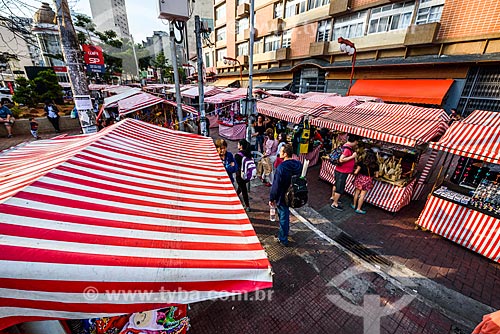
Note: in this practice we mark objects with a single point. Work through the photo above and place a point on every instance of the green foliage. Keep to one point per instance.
(46, 87)
(16, 111)
(23, 94)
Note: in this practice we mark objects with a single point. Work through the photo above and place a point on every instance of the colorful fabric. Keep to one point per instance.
(363, 182)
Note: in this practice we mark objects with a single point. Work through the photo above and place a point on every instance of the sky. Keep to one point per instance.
(142, 19)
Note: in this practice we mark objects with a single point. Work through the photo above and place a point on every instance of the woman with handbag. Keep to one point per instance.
(363, 180)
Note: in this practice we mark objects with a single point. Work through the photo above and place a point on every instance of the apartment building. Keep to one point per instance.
(396, 41)
(110, 15)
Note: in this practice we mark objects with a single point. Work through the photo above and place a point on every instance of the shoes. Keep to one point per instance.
(338, 208)
(352, 206)
(9, 136)
(280, 242)
(361, 212)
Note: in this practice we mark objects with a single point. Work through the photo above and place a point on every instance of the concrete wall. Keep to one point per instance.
(22, 126)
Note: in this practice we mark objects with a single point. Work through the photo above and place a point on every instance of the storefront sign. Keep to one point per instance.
(86, 114)
(93, 55)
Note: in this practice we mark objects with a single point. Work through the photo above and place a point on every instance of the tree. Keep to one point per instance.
(23, 94)
(46, 87)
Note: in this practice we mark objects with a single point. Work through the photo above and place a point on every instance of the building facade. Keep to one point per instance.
(110, 15)
(296, 44)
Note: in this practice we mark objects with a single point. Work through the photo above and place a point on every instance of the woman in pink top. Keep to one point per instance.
(265, 165)
(345, 167)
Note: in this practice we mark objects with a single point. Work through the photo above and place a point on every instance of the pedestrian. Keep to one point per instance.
(226, 157)
(34, 128)
(282, 180)
(7, 118)
(251, 135)
(243, 151)
(282, 140)
(52, 114)
(265, 165)
(363, 180)
(260, 129)
(345, 167)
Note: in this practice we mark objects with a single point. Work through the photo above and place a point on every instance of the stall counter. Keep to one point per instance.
(232, 132)
(470, 228)
(312, 156)
(383, 195)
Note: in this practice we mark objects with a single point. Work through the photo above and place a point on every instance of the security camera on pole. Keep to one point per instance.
(175, 11)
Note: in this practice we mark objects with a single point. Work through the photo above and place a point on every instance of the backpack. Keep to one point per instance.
(297, 194)
(334, 156)
(248, 168)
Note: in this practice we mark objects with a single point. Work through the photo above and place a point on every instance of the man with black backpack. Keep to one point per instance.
(282, 181)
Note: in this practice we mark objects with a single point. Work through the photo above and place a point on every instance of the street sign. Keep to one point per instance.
(86, 114)
(93, 55)
(96, 68)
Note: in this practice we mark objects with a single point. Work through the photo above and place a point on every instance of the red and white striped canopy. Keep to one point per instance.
(282, 93)
(116, 89)
(223, 98)
(134, 208)
(112, 101)
(207, 91)
(398, 124)
(477, 137)
(137, 102)
(341, 101)
(184, 107)
(290, 110)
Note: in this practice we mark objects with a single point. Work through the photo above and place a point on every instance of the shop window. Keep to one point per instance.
(324, 31)
(391, 17)
(350, 26)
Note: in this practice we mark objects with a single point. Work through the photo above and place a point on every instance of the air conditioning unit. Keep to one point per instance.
(174, 10)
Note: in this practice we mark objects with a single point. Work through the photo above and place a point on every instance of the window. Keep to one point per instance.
(324, 31)
(241, 25)
(350, 26)
(429, 11)
(278, 10)
(258, 46)
(221, 34)
(243, 49)
(295, 7)
(207, 60)
(220, 13)
(391, 17)
(271, 43)
(317, 3)
(287, 39)
(241, 2)
(221, 53)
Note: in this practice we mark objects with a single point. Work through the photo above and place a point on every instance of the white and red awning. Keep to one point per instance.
(112, 101)
(477, 137)
(207, 91)
(222, 98)
(138, 102)
(282, 93)
(341, 101)
(116, 89)
(134, 207)
(398, 124)
(290, 110)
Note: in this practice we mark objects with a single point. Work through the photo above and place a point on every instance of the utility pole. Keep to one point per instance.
(71, 49)
(199, 52)
(250, 101)
(176, 76)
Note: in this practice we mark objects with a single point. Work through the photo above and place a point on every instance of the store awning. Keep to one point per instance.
(138, 102)
(342, 101)
(134, 207)
(404, 91)
(116, 89)
(477, 137)
(223, 82)
(194, 92)
(184, 107)
(273, 85)
(394, 123)
(290, 110)
(281, 93)
(222, 98)
(112, 101)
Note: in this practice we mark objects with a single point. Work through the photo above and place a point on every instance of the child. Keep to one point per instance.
(34, 128)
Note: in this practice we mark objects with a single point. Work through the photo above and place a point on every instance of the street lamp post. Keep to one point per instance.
(348, 47)
(234, 61)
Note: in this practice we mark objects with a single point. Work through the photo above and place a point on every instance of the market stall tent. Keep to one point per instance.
(290, 110)
(132, 207)
(144, 100)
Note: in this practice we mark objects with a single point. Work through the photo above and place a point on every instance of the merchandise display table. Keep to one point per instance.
(383, 195)
(312, 156)
(232, 132)
(470, 228)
